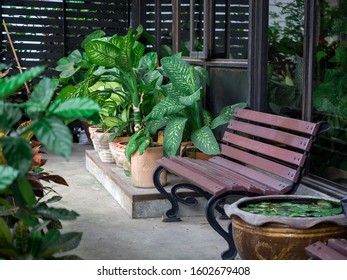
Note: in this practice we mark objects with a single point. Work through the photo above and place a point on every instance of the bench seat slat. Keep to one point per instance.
(339, 245)
(295, 141)
(279, 121)
(209, 185)
(321, 251)
(259, 162)
(280, 186)
(234, 181)
(289, 156)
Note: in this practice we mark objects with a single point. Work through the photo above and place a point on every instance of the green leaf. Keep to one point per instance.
(23, 193)
(34, 243)
(94, 35)
(154, 125)
(179, 73)
(78, 107)
(226, 114)
(191, 99)
(75, 56)
(170, 105)
(5, 234)
(54, 135)
(56, 243)
(21, 237)
(203, 73)
(207, 117)
(67, 70)
(112, 121)
(149, 61)
(102, 53)
(139, 50)
(41, 96)
(10, 85)
(10, 115)
(18, 153)
(55, 213)
(205, 141)
(173, 135)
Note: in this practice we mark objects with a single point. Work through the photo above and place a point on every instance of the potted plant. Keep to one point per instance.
(30, 227)
(280, 227)
(181, 111)
(122, 59)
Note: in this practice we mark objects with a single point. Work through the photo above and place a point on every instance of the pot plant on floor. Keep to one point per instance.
(280, 227)
(30, 227)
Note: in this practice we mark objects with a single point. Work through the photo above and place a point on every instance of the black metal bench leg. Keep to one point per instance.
(171, 214)
(212, 204)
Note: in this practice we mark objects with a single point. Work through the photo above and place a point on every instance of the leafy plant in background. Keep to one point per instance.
(181, 111)
(29, 226)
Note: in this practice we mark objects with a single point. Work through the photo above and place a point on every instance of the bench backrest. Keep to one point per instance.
(270, 144)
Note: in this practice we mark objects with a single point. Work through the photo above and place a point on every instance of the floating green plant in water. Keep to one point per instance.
(319, 208)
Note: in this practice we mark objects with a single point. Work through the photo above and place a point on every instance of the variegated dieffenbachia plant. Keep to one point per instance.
(181, 111)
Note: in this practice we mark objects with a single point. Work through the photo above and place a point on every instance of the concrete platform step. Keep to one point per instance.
(137, 202)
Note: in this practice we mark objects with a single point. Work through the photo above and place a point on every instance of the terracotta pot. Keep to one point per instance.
(280, 238)
(117, 148)
(193, 153)
(100, 141)
(143, 166)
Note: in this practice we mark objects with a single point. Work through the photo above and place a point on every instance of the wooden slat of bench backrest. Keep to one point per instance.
(279, 121)
(279, 186)
(261, 163)
(276, 152)
(292, 140)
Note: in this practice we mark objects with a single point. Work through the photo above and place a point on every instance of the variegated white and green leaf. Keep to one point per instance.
(173, 135)
(168, 106)
(226, 114)
(205, 141)
(191, 99)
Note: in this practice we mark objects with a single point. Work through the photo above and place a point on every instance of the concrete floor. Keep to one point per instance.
(110, 234)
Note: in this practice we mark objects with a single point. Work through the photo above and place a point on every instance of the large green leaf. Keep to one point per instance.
(55, 213)
(149, 61)
(18, 153)
(54, 135)
(154, 125)
(78, 107)
(5, 234)
(54, 242)
(8, 175)
(203, 73)
(226, 114)
(41, 96)
(94, 35)
(10, 85)
(21, 237)
(170, 105)
(173, 135)
(191, 99)
(181, 74)
(102, 53)
(10, 115)
(205, 141)
(23, 193)
(126, 56)
(139, 50)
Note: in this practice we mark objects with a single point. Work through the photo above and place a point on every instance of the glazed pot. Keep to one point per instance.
(260, 237)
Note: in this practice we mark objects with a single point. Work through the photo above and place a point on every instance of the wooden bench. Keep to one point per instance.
(261, 154)
(335, 249)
